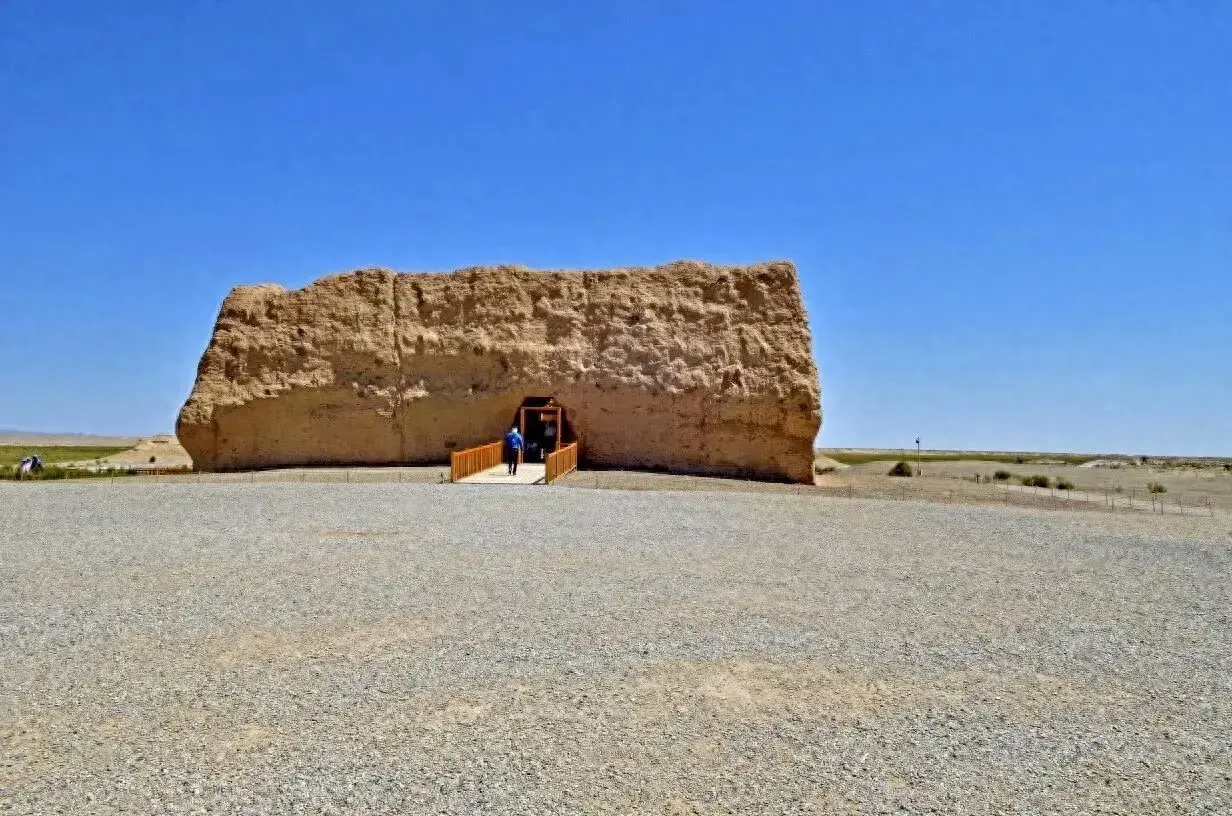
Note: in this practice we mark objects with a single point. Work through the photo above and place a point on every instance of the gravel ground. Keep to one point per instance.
(386, 648)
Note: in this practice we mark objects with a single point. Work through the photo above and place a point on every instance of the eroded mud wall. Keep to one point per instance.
(688, 367)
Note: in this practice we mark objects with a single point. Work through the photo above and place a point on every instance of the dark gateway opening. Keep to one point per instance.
(544, 426)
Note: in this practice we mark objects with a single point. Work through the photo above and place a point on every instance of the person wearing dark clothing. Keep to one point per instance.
(513, 446)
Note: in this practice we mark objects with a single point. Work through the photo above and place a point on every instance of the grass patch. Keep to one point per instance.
(54, 472)
(57, 472)
(1155, 487)
(864, 457)
(1036, 481)
(1064, 484)
(1003, 475)
(901, 469)
(11, 455)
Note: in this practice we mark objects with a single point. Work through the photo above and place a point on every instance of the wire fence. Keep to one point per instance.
(920, 490)
(935, 491)
(1035, 497)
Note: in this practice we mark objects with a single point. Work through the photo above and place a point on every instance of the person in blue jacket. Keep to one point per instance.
(513, 444)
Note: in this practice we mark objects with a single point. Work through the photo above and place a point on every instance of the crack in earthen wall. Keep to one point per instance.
(214, 437)
(400, 383)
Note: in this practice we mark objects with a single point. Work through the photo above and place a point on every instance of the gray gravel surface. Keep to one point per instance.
(287, 648)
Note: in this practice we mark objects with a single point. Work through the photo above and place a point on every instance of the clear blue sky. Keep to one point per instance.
(1012, 218)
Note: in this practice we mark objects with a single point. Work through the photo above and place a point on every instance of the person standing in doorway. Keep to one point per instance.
(513, 446)
(549, 439)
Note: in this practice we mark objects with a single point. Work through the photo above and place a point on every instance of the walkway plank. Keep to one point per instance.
(528, 474)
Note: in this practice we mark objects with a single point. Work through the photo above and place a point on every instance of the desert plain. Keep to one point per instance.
(662, 644)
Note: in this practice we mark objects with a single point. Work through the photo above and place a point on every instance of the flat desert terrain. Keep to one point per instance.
(417, 648)
(35, 439)
(164, 449)
(1191, 482)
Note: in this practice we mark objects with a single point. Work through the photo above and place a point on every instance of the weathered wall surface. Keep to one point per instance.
(689, 367)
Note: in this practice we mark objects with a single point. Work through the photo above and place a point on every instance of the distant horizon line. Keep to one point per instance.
(850, 448)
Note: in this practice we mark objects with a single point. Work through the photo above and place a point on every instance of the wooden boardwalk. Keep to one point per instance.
(529, 473)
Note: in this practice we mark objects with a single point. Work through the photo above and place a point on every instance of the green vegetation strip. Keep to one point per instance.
(53, 472)
(864, 457)
(11, 455)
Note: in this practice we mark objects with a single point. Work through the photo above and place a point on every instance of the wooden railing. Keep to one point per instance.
(561, 462)
(474, 460)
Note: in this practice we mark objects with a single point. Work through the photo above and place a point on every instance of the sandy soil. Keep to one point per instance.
(1190, 485)
(155, 452)
(166, 452)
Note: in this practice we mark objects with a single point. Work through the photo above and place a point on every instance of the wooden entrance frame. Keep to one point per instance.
(555, 412)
